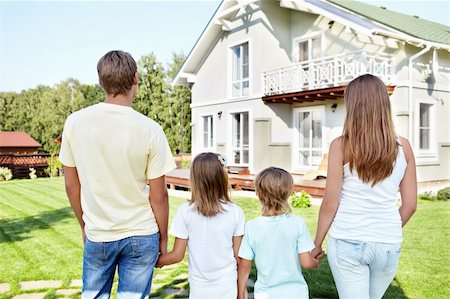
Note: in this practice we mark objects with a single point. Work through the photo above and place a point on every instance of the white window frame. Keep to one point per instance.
(202, 130)
(230, 69)
(431, 153)
(307, 37)
(295, 148)
(230, 148)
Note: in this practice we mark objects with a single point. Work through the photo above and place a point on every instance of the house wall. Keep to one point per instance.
(270, 31)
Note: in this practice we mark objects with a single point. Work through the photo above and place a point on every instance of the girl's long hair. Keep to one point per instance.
(209, 184)
(369, 136)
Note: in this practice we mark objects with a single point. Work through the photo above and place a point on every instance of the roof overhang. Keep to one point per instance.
(306, 96)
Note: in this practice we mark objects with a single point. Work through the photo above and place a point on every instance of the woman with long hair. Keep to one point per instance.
(367, 166)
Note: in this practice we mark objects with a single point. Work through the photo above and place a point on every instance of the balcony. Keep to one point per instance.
(324, 78)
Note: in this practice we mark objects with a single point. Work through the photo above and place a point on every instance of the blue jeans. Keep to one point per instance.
(135, 257)
(362, 270)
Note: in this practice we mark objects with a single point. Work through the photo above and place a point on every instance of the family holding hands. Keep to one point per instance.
(115, 160)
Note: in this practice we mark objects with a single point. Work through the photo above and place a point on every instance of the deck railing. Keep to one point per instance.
(326, 72)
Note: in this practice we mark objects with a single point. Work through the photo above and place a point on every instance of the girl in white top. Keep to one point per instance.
(367, 166)
(211, 226)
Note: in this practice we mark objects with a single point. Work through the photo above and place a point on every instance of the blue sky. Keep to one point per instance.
(47, 42)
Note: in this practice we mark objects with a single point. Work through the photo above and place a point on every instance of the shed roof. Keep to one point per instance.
(17, 139)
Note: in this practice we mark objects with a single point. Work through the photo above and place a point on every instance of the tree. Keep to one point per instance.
(180, 109)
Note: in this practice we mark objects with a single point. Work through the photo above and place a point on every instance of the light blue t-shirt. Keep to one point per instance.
(274, 243)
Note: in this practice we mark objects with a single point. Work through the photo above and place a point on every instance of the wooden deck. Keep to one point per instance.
(180, 178)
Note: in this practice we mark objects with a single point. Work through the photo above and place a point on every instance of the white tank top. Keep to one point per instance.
(370, 214)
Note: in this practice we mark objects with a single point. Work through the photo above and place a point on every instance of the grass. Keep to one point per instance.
(40, 239)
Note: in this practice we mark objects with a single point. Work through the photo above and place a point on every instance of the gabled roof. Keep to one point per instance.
(365, 18)
(411, 25)
(17, 139)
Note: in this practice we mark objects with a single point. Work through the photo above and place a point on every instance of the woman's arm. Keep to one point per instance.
(330, 201)
(408, 186)
(243, 272)
(175, 256)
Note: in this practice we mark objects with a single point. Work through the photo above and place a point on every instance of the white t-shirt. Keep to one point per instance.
(210, 242)
(116, 150)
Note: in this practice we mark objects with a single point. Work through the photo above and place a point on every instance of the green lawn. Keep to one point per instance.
(40, 239)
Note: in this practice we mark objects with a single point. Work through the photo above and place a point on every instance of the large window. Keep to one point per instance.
(309, 144)
(240, 71)
(208, 132)
(425, 126)
(240, 138)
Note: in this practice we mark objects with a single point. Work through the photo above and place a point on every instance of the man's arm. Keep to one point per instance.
(73, 188)
(159, 200)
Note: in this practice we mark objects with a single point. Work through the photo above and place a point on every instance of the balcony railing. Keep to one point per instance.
(326, 72)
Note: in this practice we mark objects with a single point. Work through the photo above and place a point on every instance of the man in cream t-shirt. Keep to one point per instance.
(115, 160)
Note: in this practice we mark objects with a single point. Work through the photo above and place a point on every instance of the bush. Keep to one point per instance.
(428, 195)
(5, 174)
(443, 194)
(300, 200)
(54, 166)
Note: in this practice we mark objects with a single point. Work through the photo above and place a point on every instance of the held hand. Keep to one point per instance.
(158, 263)
(317, 252)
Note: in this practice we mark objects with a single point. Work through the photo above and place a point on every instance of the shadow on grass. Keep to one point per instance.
(18, 229)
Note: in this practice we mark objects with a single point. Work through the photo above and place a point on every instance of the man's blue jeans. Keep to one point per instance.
(135, 257)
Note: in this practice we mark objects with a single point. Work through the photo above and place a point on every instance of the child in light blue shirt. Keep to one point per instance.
(277, 241)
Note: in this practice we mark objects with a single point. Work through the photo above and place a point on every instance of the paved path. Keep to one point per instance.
(169, 282)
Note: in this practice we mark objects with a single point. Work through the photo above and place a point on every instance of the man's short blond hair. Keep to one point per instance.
(116, 71)
(273, 187)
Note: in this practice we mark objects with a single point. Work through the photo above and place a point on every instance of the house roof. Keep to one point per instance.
(17, 139)
(365, 18)
(411, 25)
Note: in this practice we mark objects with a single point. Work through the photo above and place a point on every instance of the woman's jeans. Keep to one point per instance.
(134, 257)
(362, 270)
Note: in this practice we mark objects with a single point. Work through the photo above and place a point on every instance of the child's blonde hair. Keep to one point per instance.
(369, 134)
(209, 184)
(273, 187)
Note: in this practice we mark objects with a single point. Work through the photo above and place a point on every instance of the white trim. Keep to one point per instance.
(201, 131)
(295, 146)
(226, 101)
(229, 151)
(230, 68)
(432, 153)
(307, 37)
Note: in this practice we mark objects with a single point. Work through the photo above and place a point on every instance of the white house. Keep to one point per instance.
(267, 80)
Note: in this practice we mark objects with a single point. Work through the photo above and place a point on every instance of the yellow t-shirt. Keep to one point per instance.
(116, 150)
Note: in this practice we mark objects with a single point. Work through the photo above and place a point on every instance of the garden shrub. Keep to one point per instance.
(427, 195)
(300, 200)
(54, 166)
(443, 194)
(5, 174)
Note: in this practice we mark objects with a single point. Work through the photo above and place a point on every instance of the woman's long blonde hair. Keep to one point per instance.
(209, 184)
(370, 141)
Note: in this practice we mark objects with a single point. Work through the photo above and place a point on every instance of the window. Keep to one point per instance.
(240, 70)
(309, 144)
(240, 138)
(425, 126)
(308, 49)
(208, 135)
